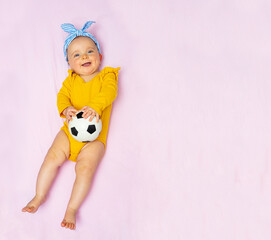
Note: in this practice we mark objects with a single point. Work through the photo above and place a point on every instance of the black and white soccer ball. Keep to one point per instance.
(83, 130)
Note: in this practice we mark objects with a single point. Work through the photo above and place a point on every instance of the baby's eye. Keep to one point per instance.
(76, 55)
(90, 51)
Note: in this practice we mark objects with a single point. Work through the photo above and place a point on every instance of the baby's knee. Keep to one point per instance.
(84, 169)
(55, 156)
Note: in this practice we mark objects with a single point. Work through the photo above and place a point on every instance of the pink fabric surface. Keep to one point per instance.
(188, 152)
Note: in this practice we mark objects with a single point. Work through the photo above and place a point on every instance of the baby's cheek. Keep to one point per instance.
(78, 62)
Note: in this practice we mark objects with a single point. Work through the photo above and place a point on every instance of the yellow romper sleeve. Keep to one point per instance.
(64, 95)
(108, 91)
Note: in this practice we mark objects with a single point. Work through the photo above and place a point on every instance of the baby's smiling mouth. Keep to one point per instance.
(86, 64)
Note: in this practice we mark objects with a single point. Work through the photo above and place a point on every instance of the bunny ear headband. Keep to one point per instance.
(69, 28)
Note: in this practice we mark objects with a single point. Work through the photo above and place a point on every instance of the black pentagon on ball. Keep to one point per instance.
(91, 129)
(79, 115)
(74, 131)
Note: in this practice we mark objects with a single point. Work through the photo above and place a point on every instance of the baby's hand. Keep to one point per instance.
(69, 112)
(88, 111)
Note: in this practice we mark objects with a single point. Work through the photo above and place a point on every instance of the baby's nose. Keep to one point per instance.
(84, 56)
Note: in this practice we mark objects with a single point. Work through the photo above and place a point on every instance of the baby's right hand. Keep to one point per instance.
(69, 112)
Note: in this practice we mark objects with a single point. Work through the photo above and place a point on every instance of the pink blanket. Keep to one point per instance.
(189, 143)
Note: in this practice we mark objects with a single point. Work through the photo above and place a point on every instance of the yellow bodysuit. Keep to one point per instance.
(99, 94)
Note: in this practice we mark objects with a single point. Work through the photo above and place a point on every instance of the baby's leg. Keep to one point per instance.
(56, 156)
(87, 162)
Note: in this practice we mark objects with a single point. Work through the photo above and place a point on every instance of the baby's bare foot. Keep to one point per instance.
(69, 219)
(34, 204)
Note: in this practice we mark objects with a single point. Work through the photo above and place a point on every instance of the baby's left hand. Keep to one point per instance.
(88, 111)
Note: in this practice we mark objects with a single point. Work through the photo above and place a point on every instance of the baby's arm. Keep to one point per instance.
(63, 100)
(107, 94)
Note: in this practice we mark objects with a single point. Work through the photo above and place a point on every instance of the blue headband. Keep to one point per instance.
(69, 28)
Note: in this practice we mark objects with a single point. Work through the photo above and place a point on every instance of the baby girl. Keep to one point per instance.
(85, 89)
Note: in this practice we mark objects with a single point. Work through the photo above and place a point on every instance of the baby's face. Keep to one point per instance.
(83, 56)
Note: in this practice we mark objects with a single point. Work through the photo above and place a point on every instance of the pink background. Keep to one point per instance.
(188, 152)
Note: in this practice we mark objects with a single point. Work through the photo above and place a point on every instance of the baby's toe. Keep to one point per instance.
(24, 209)
(31, 209)
(72, 226)
(63, 224)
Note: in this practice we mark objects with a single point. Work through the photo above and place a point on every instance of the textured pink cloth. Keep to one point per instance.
(188, 152)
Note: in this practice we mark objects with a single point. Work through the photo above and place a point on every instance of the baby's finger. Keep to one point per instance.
(70, 112)
(84, 109)
(74, 112)
(97, 117)
(71, 115)
(88, 113)
(91, 117)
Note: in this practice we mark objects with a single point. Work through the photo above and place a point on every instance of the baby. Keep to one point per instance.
(85, 89)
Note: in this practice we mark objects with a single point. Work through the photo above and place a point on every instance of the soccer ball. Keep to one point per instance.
(83, 130)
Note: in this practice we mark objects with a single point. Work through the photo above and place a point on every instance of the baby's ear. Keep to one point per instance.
(101, 57)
